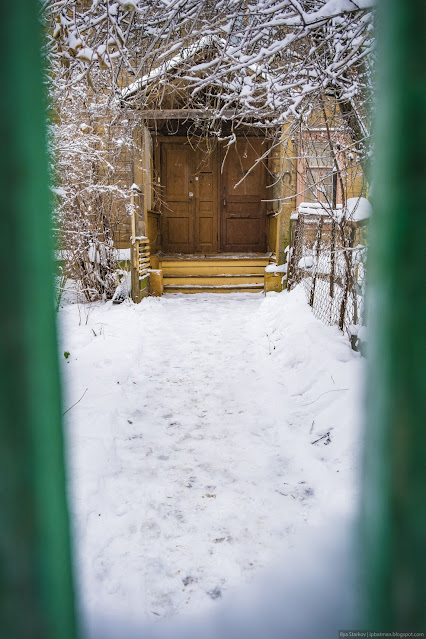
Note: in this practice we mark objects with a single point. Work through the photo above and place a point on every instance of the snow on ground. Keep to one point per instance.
(192, 457)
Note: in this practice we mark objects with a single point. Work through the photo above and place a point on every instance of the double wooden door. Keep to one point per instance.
(212, 198)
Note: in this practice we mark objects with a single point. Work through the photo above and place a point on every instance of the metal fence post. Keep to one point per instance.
(394, 524)
(36, 592)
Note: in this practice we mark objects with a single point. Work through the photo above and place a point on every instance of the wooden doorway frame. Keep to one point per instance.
(158, 142)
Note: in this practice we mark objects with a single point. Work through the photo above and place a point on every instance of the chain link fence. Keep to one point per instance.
(328, 256)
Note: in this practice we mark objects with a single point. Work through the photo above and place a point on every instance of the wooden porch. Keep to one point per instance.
(220, 273)
(203, 222)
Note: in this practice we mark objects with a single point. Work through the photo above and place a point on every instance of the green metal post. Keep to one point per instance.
(36, 594)
(395, 474)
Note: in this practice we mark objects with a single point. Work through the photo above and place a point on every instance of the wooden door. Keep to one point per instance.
(242, 211)
(178, 209)
(190, 202)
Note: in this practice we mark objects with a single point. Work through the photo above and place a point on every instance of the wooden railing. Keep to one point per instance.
(140, 247)
(140, 253)
(143, 253)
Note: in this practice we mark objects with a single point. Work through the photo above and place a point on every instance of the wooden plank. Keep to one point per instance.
(216, 292)
(182, 114)
(217, 260)
(214, 256)
(215, 289)
(213, 270)
(212, 275)
(215, 281)
(224, 265)
(218, 287)
(184, 138)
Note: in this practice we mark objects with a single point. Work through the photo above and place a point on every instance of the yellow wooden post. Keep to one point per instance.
(156, 287)
(273, 282)
(134, 255)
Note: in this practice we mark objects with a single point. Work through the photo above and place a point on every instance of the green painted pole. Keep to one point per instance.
(395, 474)
(36, 593)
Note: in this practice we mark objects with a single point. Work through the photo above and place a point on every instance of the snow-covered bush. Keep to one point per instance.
(89, 135)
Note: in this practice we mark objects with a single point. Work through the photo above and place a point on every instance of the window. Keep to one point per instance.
(319, 168)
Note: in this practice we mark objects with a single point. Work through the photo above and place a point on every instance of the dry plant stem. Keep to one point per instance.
(75, 404)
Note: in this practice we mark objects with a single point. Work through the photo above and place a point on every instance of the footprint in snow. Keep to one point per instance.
(189, 580)
(150, 529)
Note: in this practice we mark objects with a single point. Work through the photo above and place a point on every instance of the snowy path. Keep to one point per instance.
(191, 453)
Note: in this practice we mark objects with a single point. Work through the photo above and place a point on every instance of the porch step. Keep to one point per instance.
(200, 270)
(232, 279)
(236, 288)
(214, 273)
(216, 257)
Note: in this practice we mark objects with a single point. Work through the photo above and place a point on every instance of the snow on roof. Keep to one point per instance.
(315, 208)
(356, 209)
(172, 63)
